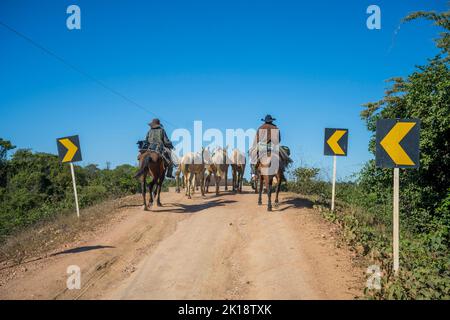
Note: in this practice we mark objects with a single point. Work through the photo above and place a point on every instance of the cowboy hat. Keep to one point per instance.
(155, 123)
(268, 119)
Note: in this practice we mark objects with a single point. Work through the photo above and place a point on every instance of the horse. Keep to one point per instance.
(269, 167)
(151, 163)
(178, 179)
(238, 163)
(192, 166)
(210, 170)
(219, 168)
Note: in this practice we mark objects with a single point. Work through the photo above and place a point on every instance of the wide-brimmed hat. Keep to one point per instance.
(155, 123)
(268, 119)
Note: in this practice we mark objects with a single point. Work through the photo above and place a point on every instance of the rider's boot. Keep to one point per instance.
(170, 172)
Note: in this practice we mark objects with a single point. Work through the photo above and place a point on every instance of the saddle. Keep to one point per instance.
(144, 146)
(262, 149)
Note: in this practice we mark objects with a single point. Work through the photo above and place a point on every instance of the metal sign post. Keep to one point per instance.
(335, 144)
(397, 147)
(75, 189)
(396, 218)
(69, 152)
(333, 192)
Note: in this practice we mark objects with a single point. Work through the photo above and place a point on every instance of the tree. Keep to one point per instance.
(425, 94)
(5, 146)
(439, 19)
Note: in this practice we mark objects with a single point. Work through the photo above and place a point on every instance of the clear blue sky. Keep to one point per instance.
(228, 63)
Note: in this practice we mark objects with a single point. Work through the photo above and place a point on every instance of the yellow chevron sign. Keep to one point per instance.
(69, 149)
(398, 143)
(336, 142)
(333, 142)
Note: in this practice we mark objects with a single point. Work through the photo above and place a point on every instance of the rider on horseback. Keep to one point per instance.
(158, 141)
(263, 137)
(268, 136)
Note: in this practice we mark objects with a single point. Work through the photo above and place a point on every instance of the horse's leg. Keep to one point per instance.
(233, 176)
(240, 180)
(261, 185)
(269, 181)
(195, 187)
(150, 190)
(207, 183)
(226, 178)
(202, 183)
(186, 182)
(189, 184)
(159, 187)
(155, 191)
(178, 190)
(144, 190)
(217, 178)
(194, 175)
(278, 191)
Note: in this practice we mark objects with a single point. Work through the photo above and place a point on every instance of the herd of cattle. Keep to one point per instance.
(196, 170)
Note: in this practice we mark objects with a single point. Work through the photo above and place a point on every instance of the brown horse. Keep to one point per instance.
(268, 168)
(151, 163)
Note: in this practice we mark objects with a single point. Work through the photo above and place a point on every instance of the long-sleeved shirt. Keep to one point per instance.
(159, 136)
(264, 134)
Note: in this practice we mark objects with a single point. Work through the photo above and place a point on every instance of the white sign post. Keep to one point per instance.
(333, 191)
(396, 218)
(75, 189)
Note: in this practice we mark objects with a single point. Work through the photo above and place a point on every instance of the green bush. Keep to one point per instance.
(305, 181)
(36, 186)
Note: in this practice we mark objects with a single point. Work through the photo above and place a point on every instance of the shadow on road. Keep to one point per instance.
(296, 203)
(81, 249)
(194, 208)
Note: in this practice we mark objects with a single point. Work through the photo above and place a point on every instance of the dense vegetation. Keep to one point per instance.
(366, 205)
(36, 186)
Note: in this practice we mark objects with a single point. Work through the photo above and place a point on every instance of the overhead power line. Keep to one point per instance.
(82, 72)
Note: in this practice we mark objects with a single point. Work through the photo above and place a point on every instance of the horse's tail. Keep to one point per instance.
(144, 166)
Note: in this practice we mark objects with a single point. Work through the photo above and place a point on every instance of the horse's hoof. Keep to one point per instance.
(159, 204)
(269, 209)
(146, 209)
(277, 204)
(260, 203)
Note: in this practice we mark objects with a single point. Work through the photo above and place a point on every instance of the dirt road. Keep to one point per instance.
(222, 247)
